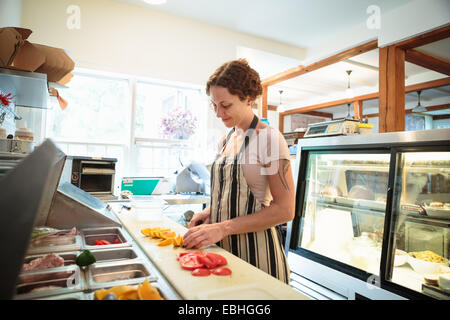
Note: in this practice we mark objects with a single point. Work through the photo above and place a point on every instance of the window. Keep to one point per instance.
(98, 123)
(156, 102)
(161, 152)
(98, 110)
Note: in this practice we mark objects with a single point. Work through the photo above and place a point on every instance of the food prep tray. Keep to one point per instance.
(112, 255)
(102, 275)
(69, 258)
(437, 213)
(109, 233)
(69, 280)
(74, 244)
(68, 296)
(166, 294)
(369, 204)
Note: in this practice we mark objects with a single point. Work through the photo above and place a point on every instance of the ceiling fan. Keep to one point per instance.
(419, 109)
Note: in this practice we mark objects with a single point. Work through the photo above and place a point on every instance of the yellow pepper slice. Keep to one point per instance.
(165, 242)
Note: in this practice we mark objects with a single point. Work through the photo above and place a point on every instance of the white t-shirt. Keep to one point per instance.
(265, 146)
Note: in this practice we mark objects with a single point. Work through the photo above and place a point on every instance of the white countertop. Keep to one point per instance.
(245, 283)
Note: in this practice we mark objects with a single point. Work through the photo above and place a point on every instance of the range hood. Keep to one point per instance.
(30, 88)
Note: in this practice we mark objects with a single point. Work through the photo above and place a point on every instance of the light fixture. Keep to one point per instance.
(155, 2)
(349, 92)
(348, 116)
(281, 108)
(419, 107)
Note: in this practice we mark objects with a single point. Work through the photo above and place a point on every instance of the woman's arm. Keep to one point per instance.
(280, 210)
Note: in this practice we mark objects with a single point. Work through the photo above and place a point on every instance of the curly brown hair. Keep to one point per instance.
(238, 77)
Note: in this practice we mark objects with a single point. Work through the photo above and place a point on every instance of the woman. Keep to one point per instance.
(252, 188)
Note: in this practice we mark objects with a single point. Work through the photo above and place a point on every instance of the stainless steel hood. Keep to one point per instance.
(30, 88)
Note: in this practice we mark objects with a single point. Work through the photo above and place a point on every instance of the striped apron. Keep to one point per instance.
(231, 197)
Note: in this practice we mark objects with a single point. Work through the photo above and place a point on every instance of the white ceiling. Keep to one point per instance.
(298, 22)
(304, 23)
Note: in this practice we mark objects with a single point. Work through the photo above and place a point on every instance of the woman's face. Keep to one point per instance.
(228, 107)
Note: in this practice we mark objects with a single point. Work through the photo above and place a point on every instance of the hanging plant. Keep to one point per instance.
(178, 124)
(5, 101)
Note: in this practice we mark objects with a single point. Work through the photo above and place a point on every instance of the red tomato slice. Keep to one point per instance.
(208, 261)
(222, 271)
(179, 255)
(217, 258)
(201, 272)
(190, 262)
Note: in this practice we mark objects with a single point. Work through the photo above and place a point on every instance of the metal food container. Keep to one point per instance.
(113, 274)
(68, 296)
(113, 255)
(73, 243)
(163, 292)
(69, 258)
(50, 282)
(21, 146)
(5, 145)
(106, 233)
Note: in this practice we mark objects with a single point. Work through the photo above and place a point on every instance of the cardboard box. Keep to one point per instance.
(18, 53)
(44, 59)
(28, 57)
(11, 39)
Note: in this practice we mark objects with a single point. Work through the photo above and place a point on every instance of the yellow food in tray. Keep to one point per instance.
(428, 255)
(167, 236)
(144, 291)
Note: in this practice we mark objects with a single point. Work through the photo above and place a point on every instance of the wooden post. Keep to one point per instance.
(281, 122)
(264, 102)
(358, 104)
(392, 89)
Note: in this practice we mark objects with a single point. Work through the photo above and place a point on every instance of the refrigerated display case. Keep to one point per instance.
(372, 216)
(47, 268)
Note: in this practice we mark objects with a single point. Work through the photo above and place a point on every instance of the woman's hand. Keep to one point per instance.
(203, 235)
(199, 218)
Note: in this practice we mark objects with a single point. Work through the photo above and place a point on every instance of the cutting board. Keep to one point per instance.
(245, 282)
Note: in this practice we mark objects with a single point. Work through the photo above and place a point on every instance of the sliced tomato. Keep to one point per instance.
(179, 255)
(223, 271)
(217, 258)
(201, 272)
(190, 261)
(208, 261)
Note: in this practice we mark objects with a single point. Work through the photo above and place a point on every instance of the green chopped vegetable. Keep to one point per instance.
(39, 232)
(85, 258)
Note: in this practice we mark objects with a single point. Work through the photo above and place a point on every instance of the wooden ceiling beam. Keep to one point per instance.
(301, 69)
(428, 85)
(425, 38)
(407, 111)
(441, 116)
(427, 61)
(370, 96)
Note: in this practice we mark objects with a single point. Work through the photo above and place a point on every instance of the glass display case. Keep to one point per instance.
(374, 209)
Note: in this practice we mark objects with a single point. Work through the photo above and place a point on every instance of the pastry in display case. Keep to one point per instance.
(374, 211)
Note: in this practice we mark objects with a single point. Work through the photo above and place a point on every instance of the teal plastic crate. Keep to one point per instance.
(140, 185)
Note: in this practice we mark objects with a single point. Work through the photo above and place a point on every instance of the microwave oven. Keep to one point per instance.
(94, 175)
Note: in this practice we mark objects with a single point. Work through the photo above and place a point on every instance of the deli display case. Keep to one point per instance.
(372, 216)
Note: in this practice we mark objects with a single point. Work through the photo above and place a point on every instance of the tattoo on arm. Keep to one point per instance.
(282, 170)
